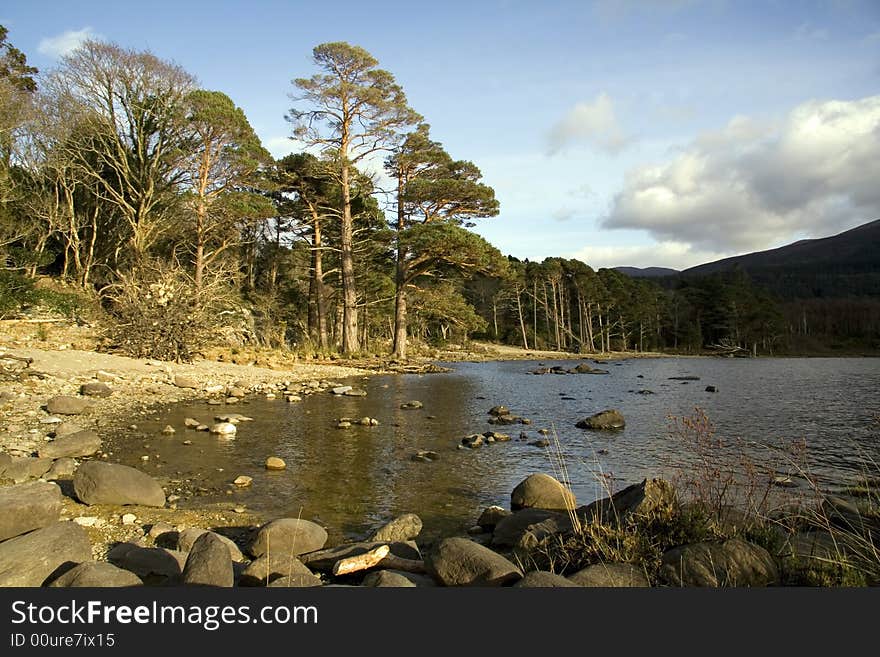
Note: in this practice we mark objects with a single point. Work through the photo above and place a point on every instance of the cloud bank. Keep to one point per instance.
(593, 123)
(753, 184)
(66, 42)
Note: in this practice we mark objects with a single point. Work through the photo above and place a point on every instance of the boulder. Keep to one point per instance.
(96, 389)
(96, 574)
(30, 559)
(603, 420)
(187, 538)
(582, 368)
(387, 579)
(473, 441)
(67, 428)
(208, 563)
(81, 443)
(20, 469)
(186, 382)
(153, 565)
(108, 483)
(610, 575)
(67, 405)
(498, 411)
(412, 405)
(541, 579)
(267, 568)
(226, 429)
(402, 528)
(292, 536)
(25, 507)
(510, 530)
(541, 491)
(63, 468)
(462, 562)
(340, 390)
(734, 562)
(650, 497)
(295, 582)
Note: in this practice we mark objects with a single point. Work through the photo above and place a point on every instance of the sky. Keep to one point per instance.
(622, 133)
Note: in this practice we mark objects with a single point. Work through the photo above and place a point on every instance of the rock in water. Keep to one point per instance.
(67, 405)
(491, 516)
(30, 559)
(462, 562)
(81, 443)
(610, 575)
(243, 481)
(108, 483)
(607, 419)
(275, 463)
(25, 507)
(96, 574)
(498, 411)
(412, 405)
(208, 563)
(402, 528)
(541, 491)
(732, 563)
(225, 429)
(288, 536)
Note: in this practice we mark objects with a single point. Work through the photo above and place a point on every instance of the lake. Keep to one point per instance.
(352, 480)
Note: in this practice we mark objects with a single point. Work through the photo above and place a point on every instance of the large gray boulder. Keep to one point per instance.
(610, 575)
(402, 528)
(30, 559)
(95, 389)
(108, 483)
(541, 491)
(734, 562)
(644, 500)
(295, 582)
(267, 568)
(603, 420)
(187, 538)
(81, 443)
(387, 579)
(461, 562)
(208, 563)
(61, 469)
(293, 536)
(510, 530)
(96, 574)
(67, 405)
(25, 507)
(542, 579)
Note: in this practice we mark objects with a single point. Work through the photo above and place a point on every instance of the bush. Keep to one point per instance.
(16, 292)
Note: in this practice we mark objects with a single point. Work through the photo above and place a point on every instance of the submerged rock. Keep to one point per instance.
(608, 419)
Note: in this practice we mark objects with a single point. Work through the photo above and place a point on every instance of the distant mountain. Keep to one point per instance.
(844, 265)
(646, 272)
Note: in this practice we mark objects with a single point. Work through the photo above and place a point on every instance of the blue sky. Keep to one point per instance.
(655, 132)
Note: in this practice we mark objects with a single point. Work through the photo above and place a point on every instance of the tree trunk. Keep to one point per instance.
(349, 292)
(399, 348)
(320, 298)
(522, 325)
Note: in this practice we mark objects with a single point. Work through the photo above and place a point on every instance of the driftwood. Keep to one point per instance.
(27, 361)
(361, 561)
(393, 562)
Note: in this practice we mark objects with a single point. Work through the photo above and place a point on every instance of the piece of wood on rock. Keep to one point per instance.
(31, 559)
(28, 506)
(293, 536)
(208, 563)
(462, 562)
(734, 562)
(108, 483)
(81, 443)
(541, 491)
(96, 574)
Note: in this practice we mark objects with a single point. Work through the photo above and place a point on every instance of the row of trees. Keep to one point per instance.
(121, 176)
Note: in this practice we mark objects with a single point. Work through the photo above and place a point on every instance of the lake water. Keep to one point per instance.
(352, 480)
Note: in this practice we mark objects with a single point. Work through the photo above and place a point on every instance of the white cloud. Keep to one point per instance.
(594, 123)
(66, 42)
(752, 184)
(675, 255)
(280, 146)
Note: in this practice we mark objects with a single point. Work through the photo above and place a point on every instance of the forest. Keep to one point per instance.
(128, 191)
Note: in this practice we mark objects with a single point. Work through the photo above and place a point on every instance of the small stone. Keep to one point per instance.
(232, 400)
(187, 442)
(86, 521)
(52, 419)
(173, 498)
(243, 481)
(224, 429)
(239, 509)
(341, 390)
(168, 430)
(129, 519)
(191, 423)
(293, 398)
(185, 382)
(275, 463)
(145, 458)
(96, 389)
(343, 425)
(412, 405)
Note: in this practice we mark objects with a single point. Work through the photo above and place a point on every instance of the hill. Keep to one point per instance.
(647, 272)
